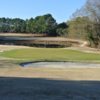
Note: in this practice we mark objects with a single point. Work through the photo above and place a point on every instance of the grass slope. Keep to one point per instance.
(50, 54)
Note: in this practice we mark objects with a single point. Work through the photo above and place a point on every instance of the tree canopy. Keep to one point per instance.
(44, 24)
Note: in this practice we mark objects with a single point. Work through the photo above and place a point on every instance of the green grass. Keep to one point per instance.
(47, 54)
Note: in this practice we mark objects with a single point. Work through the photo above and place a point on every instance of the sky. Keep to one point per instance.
(61, 10)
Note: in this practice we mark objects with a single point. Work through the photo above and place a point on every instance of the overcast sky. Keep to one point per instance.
(60, 9)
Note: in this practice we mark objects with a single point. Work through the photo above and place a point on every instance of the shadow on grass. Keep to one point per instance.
(12, 88)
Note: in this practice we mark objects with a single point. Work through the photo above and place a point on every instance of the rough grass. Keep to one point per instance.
(47, 54)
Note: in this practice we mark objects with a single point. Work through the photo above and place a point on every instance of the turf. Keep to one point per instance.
(50, 54)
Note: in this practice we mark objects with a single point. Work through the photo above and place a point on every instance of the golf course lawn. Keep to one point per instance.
(31, 83)
(50, 54)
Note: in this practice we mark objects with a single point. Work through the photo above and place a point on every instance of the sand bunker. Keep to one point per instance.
(61, 65)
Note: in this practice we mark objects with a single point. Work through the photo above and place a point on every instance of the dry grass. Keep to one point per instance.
(15, 34)
(18, 83)
(53, 73)
(21, 34)
(11, 47)
(9, 69)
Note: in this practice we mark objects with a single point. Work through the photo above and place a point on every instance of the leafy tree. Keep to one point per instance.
(62, 29)
(45, 24)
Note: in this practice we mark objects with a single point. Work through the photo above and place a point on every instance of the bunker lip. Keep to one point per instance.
(60, 64)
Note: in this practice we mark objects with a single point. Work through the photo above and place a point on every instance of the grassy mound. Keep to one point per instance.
(50, 54)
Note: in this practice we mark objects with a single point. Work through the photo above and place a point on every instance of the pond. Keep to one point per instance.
(45, 42)
(60, 65)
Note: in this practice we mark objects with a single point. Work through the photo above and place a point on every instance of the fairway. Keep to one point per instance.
(50, 54)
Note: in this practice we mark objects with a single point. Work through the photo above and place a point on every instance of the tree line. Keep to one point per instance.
(85, 23)
(45, 24)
